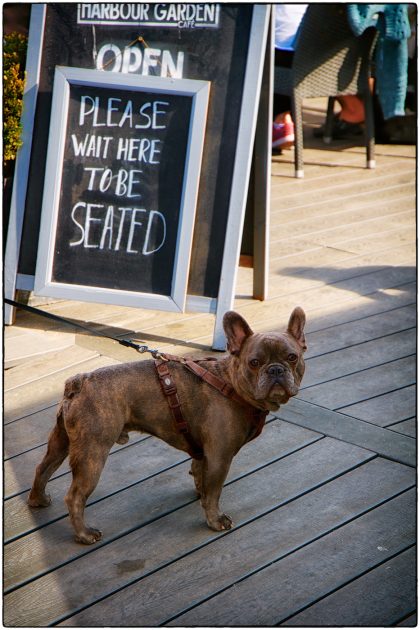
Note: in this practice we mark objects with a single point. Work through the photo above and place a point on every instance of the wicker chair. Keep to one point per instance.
(328, 60)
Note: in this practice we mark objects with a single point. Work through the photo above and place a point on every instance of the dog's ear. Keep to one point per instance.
(236, 330)
(296, 325)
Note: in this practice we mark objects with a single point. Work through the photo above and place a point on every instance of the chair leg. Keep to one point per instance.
(329, 120)
(369, 130)
(298, 123)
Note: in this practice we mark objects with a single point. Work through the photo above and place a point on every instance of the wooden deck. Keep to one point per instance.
(323, 502)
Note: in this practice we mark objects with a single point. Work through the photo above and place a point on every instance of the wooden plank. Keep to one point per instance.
(271, 596)
(334, 236)
(380, 598)
(408, 427)
(29, 344)
(307, 276)
(397, 243)
(59, 593)
(278, 438)
(362, 385)
(350, 207)
(46, 391)
(139, 504)
(385, 172)
(332, 305)
(386, 409)
(114, 477)
(348, 360)
(29, 432)
(230, 559)
(379, 440)
(43, 366)
(361, 330)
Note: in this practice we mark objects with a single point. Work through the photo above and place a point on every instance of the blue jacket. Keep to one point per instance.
(391, 60)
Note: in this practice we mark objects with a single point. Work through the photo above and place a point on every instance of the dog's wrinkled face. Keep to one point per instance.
(267, 368)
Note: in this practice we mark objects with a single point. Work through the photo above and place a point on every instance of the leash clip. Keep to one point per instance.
(155, 353)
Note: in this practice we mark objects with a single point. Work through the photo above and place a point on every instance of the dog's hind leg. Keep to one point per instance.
(86, 463)
(57, 451)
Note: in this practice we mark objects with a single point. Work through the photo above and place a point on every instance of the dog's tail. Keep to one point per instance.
(73, 386)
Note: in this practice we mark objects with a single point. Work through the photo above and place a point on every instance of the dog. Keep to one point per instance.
(208, 408)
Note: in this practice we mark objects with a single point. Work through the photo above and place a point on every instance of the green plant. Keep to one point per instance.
(14, 56)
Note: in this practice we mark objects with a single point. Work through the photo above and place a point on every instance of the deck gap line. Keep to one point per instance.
(309, 442)
(390, 391)
(383, 166)
(357, 197)
(346, 583)
(112, 493)
(30, 414)
(366, 448)
(387, 170)
(339, 198)
(97, 356)
(348, 225)
(343, 301)
(28, 450)
(134, 483)
(103, 543)
(360, 319)
(338, 378)
(316, 286)
(360, 343)
(413, 612)
(285, 555)
(273, 300)
(359, 238)
(33, 448)
(401, 420)
(16, 494)
(204, 544)
(315, 231)
(353, 256)
(335, 245)
(328, 211)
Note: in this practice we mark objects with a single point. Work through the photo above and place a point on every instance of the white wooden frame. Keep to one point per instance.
(23, 158)
(63, 79)
(240, 181)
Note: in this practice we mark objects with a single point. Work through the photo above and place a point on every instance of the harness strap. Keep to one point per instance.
(256, 416)
(170, 391)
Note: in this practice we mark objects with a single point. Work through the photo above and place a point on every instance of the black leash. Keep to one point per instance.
(124, 342)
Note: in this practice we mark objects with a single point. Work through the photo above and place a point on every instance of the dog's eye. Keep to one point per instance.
(292, 357)
(254, 363)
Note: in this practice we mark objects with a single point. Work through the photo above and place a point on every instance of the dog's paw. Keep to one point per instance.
(89, 536)
(123, 438)
(220, 523)
(43, 500)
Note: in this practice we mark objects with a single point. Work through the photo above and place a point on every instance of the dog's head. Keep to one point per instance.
(266, 368)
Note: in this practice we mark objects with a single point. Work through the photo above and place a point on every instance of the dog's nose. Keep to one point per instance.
(276, 371)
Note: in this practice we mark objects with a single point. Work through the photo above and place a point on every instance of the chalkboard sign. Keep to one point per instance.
(122, 176)
(223, 44)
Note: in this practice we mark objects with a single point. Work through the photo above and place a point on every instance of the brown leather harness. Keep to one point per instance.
(256, 416)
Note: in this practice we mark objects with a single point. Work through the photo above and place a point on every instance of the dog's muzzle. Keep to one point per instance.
(280, 378)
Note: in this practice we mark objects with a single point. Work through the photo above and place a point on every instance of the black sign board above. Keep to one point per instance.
(222, 44)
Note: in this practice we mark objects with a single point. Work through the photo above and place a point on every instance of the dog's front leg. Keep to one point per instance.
(214, 472)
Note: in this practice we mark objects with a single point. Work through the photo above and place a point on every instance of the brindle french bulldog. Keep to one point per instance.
(100, 408)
